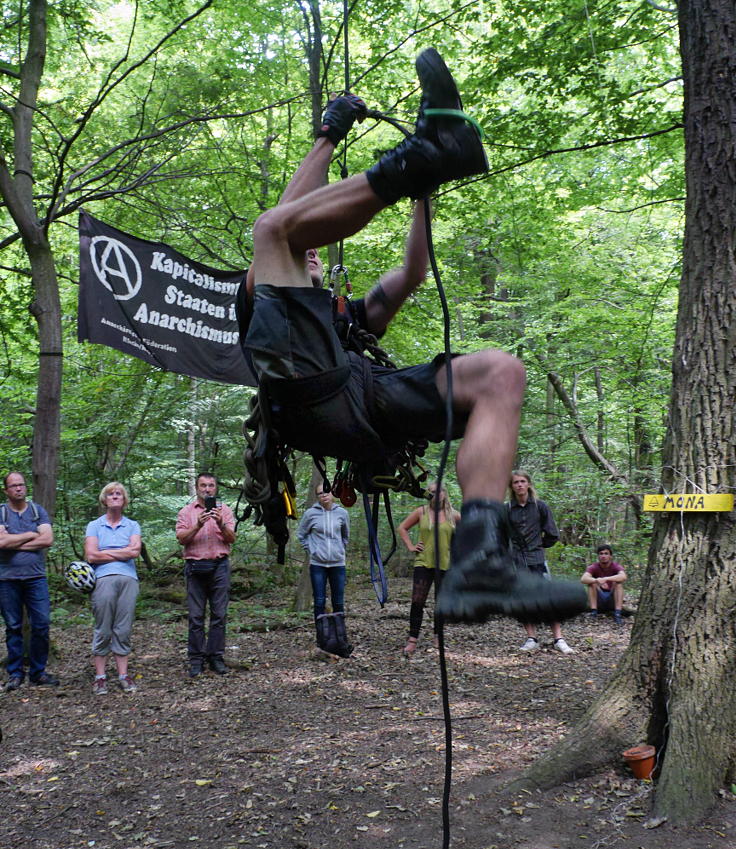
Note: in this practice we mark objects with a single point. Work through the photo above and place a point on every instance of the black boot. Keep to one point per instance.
(483, 580)
(443, 148)
(344, 648)
(324, 632)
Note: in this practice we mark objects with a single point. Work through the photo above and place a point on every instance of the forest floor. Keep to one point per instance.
(291, 751)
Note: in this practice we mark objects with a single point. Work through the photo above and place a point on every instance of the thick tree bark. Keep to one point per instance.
(46, 309)
(16, 189)
(674, 686)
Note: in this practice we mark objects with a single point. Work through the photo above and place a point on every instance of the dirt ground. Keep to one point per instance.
(294, 752)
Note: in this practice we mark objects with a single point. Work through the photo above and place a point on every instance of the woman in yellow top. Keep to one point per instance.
(424, 565)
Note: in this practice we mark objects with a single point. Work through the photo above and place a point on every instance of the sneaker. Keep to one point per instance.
(483, 580)
(217, 665)
(46, 679)
(530, 645)
(443, 148)
(618, 617)
(562, 646)
(127, 684)
(593, 615)
(195, 668)
(99, 687)
(13, 683)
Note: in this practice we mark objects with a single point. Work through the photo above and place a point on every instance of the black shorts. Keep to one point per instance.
(330, 402)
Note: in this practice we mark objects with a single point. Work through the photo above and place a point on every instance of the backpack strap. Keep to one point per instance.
(34, 512)
(4, 513)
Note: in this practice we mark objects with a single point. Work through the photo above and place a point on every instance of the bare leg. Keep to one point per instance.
(593, 596)
(482, 578)
(121, 662)
(490, 384)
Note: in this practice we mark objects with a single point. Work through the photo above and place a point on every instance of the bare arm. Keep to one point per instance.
(403, 529)
(310, 175)
(15, 541)
(43, 539)
(389, 294)
(587, 578)
(618, 579)
(93, 554)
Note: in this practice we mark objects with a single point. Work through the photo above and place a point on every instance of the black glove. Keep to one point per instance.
(340, 116)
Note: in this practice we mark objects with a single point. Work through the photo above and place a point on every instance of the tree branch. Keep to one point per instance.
(597, 457)
(107, 88)
(545, 154)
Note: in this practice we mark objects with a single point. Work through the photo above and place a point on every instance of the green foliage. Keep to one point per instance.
(569, 259)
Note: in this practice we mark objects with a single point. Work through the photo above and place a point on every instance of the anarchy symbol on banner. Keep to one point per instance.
(116, 267)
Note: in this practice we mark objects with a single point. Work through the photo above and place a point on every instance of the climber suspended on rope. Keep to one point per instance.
(318, 394)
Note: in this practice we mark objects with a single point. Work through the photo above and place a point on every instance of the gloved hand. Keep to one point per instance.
(340, 116)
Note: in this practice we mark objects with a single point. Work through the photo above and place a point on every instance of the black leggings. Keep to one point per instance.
(423, 580)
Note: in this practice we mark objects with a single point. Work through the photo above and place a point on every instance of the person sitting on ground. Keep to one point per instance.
(324, 533)
(533, 531)
(326, 399)
(111, 544)
(425, 573)
(605, 582)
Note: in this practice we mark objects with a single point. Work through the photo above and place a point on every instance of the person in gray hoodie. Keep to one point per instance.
(324, 532)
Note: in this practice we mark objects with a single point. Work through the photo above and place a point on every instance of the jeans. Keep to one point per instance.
(215, 589)
(319, 576)
(33, 594)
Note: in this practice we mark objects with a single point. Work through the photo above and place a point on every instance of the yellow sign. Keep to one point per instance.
(688, 503)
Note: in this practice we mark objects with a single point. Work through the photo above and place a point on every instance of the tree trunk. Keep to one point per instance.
(16, 189)
(674, 686)
(46, 309)
(303, 590)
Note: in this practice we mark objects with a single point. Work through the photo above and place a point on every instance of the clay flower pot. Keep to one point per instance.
(641, 760)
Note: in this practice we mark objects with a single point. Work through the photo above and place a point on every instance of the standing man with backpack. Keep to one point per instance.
(25, 533)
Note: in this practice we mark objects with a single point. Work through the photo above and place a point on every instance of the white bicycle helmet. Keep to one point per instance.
(80, 576)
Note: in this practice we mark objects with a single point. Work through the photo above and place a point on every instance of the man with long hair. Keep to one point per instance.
(533, 530)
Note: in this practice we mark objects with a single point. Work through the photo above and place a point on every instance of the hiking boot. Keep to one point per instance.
(530, 644)
(127, 684)
(195, 668)
(99, 687)
(482, 579)
(217, 665)
(13, 683)
(443, 148)
(562, 646)
(46, 679)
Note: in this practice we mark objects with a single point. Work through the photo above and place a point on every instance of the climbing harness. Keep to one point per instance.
(269, 487)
